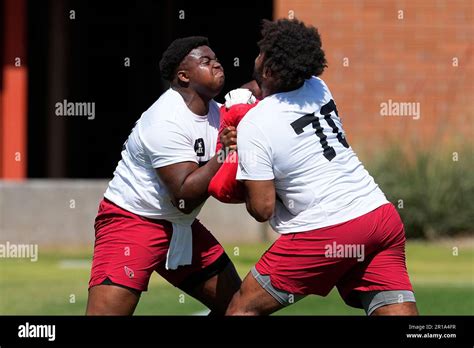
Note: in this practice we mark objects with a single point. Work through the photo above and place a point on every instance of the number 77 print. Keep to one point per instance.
(325, 111)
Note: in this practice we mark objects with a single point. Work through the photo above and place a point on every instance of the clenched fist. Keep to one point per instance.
(229, 138)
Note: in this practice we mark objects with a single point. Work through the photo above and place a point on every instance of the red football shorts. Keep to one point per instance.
(128, 248)
(363, 254)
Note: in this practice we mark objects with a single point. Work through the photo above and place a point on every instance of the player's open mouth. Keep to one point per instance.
(219, 74)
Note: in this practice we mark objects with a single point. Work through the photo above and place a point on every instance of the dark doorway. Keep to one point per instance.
(79, 52)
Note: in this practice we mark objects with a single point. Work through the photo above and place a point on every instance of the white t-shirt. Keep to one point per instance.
(296, 138)
(167, 133)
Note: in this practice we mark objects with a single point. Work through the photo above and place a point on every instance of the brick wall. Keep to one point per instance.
(407, 56)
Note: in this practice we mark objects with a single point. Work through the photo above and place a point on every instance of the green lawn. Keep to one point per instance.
(57, 284)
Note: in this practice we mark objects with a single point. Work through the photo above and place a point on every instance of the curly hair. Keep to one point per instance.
(292, 51)
(176, 52)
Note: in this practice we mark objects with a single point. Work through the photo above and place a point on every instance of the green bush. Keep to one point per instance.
(433, 192)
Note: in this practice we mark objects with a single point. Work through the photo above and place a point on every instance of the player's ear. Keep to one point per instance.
(267, 72)
(183, 76)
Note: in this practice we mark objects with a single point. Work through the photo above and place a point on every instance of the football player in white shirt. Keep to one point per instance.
(147, 219)
(299, 172)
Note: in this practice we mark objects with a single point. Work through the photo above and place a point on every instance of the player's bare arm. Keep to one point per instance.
(260, 198)
(187, 182)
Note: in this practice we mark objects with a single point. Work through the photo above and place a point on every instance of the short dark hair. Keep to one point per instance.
(176, 52)
(292, 51)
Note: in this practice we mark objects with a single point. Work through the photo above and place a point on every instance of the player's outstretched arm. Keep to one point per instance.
(260, 198)
(187, 183)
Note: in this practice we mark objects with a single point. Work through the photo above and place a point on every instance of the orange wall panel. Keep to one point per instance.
(13, 106)
(14, 112)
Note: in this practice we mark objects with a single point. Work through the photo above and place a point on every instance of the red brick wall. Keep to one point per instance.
(405, 60)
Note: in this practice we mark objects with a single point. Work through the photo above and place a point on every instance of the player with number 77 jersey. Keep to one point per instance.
(299, 173)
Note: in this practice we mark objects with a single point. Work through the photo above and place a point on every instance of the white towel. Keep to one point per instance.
(239, 96)
(180, 251)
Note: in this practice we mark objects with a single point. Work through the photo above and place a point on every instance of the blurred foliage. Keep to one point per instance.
(433, 192)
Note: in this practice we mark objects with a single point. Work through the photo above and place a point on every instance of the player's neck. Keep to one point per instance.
(269, 88)
(267, 91)
(195, 102)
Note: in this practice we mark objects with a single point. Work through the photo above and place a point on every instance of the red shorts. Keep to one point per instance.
(128, 248)
(364, 254)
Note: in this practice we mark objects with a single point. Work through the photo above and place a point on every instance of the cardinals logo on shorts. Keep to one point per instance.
(128, 271)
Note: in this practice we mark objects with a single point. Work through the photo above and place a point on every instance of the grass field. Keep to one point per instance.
(57, 284)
